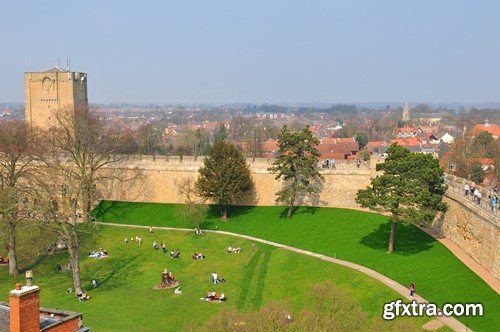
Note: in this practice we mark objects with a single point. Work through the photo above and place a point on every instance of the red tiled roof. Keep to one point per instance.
(375, 144)
(494, 129)
(484, 161)
(429, 130)
(270, 145)
(406, 141)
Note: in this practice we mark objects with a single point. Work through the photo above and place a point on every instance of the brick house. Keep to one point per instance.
(23, 314)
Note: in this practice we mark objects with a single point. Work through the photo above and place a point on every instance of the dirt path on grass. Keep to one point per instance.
(402, 290)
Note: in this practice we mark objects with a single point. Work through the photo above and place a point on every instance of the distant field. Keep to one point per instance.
(351, 235)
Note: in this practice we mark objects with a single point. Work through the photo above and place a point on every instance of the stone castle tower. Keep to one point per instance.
(50, 91)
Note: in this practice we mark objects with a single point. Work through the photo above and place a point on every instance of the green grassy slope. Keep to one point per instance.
(125, 301)
(351, 235)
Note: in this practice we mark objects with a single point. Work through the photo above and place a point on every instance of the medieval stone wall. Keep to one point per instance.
(473, 229)
(158, 178)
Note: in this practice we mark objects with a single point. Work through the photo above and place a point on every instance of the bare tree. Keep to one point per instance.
(17, 151)
(194, 207)
(80, 156)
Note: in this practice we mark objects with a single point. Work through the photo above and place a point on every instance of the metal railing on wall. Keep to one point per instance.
(456, 185)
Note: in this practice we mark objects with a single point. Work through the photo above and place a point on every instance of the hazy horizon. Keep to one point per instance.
(280, 52)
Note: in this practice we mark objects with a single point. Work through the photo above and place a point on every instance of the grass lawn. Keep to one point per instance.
(351, 235)
(125, 300)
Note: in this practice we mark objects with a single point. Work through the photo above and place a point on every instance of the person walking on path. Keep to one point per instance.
(466, 189)
(412, 290)
(476, 193)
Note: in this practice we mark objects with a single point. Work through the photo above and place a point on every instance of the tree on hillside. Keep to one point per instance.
(18, 145)
(362, 140)
(194, 207)
(460, 154)
(149, 139)
(496, 160)
(483, 145)
(225, 176)
(221, 133)
(197, 142)
(296, 164)
(411, 189)
(477, 173)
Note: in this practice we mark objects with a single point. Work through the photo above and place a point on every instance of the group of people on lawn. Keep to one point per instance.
(168, 277)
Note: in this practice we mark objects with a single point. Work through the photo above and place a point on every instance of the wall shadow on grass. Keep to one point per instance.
(409, 239)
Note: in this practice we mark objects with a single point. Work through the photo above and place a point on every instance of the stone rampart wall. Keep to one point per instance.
(471, 227)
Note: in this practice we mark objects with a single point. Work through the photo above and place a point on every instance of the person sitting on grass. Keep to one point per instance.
(175, 254)
(198, 255)
(155, 245)
(96, 282)
(163, 247)
(213, 296)
(216, 280)
(178, 290)
(82, 296)
(126, 240)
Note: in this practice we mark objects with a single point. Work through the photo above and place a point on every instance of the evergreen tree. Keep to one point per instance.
(296, 164)
(221, 134)
(225, 176)
(477, 173)
(411, 189)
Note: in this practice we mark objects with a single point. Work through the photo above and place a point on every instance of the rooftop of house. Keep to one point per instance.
(492, 128)
(48, 318)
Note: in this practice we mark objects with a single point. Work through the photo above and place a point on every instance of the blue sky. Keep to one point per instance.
(259, 51)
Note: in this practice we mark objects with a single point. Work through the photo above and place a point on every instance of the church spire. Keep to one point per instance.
(406, 113)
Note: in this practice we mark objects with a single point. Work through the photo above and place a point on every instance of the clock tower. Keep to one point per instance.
(52, 90)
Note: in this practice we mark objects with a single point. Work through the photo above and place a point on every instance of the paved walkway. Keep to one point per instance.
(402, 290)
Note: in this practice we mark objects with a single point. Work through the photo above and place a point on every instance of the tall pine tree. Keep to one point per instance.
(225, 176)
(296, 164)
(411, 189)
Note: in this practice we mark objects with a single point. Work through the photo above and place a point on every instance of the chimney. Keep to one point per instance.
(24, 306)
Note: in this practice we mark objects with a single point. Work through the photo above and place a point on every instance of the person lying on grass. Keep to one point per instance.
(98, 254)
(231, 250)
(198, 255)
(175, 254)
(214, 297)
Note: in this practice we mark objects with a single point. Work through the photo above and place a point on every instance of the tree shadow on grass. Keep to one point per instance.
(214, 212)
(299, 210)
(409, 239)
(112, 211)
(116, 273)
